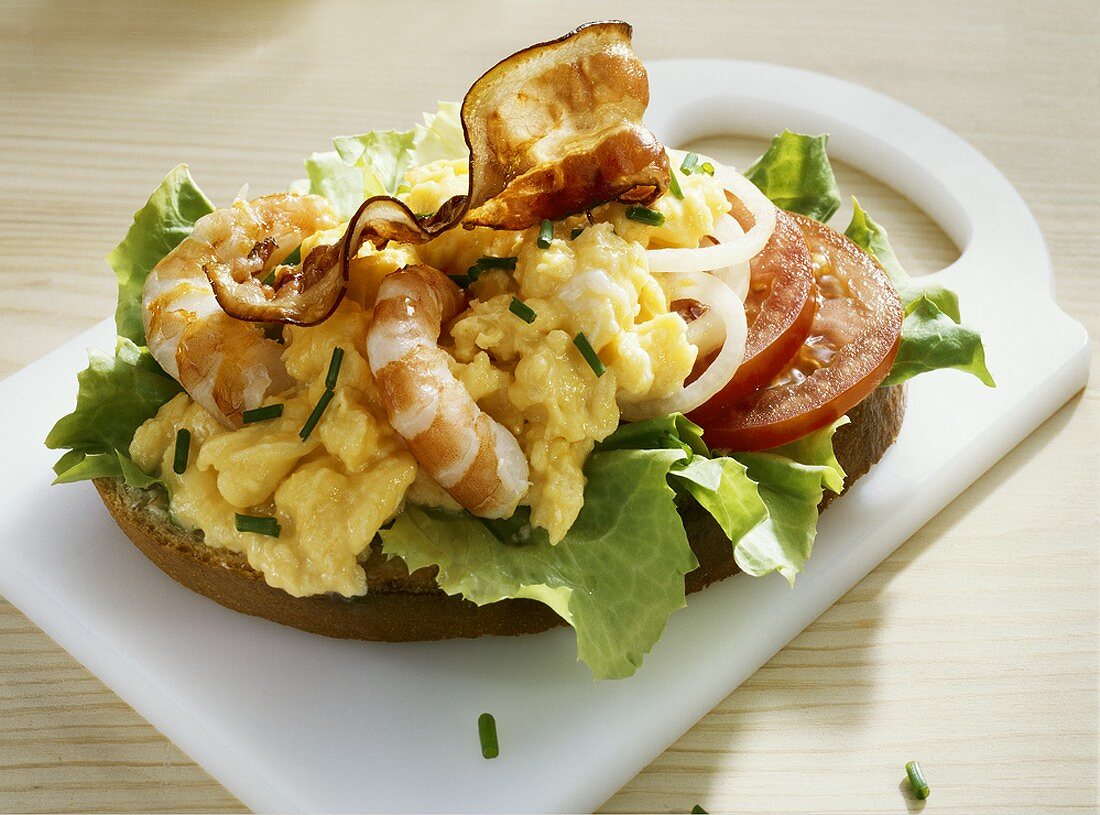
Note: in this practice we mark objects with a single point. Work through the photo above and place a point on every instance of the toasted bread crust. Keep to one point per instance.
(403, 607)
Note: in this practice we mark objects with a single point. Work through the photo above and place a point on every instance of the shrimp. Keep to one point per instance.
(474, 458)
(227, 365)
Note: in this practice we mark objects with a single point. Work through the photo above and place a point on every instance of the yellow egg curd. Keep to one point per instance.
(333, 491)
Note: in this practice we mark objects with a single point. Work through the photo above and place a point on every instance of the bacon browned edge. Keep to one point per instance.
(553, 130)
(306, 295)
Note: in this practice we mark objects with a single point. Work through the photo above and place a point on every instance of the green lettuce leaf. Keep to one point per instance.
(791, 480)
(766, 503)
(719, 485)
(440, 137)
(931, 340)
(616, 577)
(674, 431)
(618, 573)
(932, 335)
(335, 179)
(869, 235)
(723, 488)
(76, 465)
(375, 163)
(796, 175)
(116, 395)
(166, 219)
(381, 155)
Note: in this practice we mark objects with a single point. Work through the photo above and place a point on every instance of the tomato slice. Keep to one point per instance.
(852, 343)
(779, 309)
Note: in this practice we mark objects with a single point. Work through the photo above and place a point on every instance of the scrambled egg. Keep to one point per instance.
(332, 492)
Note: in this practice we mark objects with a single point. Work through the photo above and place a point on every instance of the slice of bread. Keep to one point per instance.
(403, 607)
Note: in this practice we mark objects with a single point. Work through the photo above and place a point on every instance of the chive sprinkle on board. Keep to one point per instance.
(916, 780)
(645, 215)
(585, 347)
(261, 413)
(546, 234)
(260, 524)
(698, 810)
(522, 310)
(315, 416)
(183, 448)
(487, 732)
(334, 367)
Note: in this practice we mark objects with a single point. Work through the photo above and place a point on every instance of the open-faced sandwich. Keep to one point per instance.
(520, 366)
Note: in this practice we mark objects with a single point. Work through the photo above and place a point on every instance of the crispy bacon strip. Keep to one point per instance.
(557, 128)
(553, 130)
(305, 296)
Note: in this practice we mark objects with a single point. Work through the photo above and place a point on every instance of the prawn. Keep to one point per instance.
(473, 457)
(227, 365)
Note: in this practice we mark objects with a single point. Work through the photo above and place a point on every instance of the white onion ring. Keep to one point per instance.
(736, 277)
(734, 246)
(715, 294)
(706, 332)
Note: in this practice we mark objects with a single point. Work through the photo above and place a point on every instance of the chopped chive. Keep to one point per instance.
(691, 161)
(707, 168)
(270, 279)
(546, 234)
(183, 449)
(916, 780)
(674, 185)
(463, 281)
(585, 347)
(260, 524)
(576, 233)
(334, 367)
(490, 262)
(487, 733)
(262, 413)
(645, 215)
(522, 310)
(315, 416)
(698, 810)
(294, 258)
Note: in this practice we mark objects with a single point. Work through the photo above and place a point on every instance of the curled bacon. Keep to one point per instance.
(553, 130)
(557, 128)
(305, 296)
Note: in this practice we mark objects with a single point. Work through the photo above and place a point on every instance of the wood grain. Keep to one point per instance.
(974, 648)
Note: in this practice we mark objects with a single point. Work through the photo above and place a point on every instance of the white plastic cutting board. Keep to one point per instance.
(291, 721)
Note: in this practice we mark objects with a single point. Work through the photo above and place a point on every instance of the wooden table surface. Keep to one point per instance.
(972, 648)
